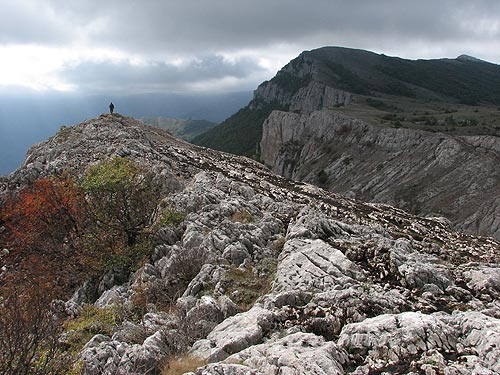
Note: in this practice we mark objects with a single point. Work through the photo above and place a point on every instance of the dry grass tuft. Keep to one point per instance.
(242, 217)
(181, 365)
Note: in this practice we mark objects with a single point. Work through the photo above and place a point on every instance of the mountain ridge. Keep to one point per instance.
(450, 99)
(425, 173)
(348, 72)
(247, 272)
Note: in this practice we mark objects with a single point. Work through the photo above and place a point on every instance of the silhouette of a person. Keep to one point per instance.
(111, 108)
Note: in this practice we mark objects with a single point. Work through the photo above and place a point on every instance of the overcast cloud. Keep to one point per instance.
(220, 45)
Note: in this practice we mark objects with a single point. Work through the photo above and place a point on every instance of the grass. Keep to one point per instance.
(244, 286)
(91, 321)
(172, 218)
(279, 244)
(437, 116)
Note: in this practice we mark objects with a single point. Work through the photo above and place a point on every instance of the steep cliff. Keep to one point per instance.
(288, 278)
(426, 173)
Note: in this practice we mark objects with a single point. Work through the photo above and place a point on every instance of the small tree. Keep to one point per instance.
(29, 331)
(122, 196)
(50, 211)
(45, 220)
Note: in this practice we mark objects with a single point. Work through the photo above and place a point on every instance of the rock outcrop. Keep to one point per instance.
(314, 96)
(294, 279)
(426, 173)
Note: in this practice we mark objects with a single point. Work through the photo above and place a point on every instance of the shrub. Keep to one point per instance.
(106, 251)
(29, 330)
(45, 221)
(122, 196)
(244, 286)
(172, 218)
(184, 267)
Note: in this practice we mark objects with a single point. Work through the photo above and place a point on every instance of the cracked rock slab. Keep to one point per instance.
(296, 354)
(314, 265)
(234, 334)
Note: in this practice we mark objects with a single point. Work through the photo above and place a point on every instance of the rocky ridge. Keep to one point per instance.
(353, 287)
(426, 173)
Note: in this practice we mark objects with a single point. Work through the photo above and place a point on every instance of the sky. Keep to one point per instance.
(133, 47)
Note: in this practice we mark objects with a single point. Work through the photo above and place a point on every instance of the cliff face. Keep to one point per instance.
(292, 278)
(306, 99)
(425, 173)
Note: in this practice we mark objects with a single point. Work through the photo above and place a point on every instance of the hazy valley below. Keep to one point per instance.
(27, 118)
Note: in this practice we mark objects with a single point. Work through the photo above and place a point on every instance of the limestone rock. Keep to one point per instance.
(234, 334)
(299, 353)
(225, 369)
(313, 265)
(356, 288)
(395, 338)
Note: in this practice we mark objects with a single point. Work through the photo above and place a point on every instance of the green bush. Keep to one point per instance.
(91, 321)
(111, 176)
(122, 197)
(172, 218)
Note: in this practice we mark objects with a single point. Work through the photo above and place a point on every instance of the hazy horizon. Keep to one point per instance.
(25, 120)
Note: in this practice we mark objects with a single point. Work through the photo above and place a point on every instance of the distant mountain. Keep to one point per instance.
(333, 77)
(27, 118)
(185, 129)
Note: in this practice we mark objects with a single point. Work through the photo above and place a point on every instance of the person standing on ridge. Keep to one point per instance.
(111, 108)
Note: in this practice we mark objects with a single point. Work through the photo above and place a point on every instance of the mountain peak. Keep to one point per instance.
(468, 58)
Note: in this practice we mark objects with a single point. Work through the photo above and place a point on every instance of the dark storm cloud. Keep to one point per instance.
(190, 25)
(156, 76)
(253, 33)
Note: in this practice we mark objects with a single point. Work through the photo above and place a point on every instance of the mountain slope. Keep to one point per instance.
(180, 128)
(239, 134)
(426, 173)
(26, 118)
(335, 77)
(287, 277)
(435, 103)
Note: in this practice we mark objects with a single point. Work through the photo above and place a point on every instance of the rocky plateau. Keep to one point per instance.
(343, 287)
